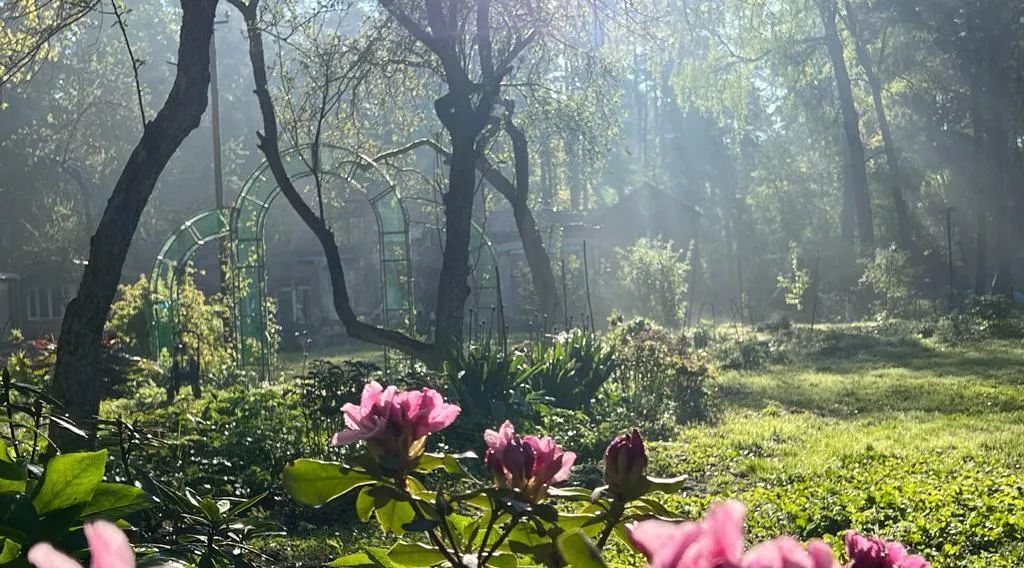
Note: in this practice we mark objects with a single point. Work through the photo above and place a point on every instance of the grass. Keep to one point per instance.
(910, 439)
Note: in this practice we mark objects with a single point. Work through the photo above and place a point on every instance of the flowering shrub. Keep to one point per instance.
(513, 519)
(480, 523)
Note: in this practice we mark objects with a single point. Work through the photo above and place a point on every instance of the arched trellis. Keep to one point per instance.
(248, 222)
(169, 268)
(484, 292)
(245, 223)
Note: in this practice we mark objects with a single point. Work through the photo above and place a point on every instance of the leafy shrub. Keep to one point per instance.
(571, 370)
(796, 283)
(491, 384)
(208, 331)
(890, 279)
(207, 532)
(324, 390)
(983, 317)
(750, 354)
(510, 519)
(653, 274)
(658, 372)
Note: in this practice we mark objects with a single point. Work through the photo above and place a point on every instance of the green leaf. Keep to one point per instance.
(415, 554)
(113, 501)
(448, 462)
(394, 515)
(588, 521)
(672, 485)
(211, 509)
(357, 560)
(365, 504)
(503, 560)
(370, 558)
(571, 493)
(314, 482)
(13, 476)
(578, 551)
(10, 551)
(70, 479)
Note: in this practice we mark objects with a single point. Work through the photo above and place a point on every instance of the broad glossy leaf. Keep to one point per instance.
(113, 501)
(672, 485)
(394, 515)
(447, 462)
(415, 554)
(314, 482)
(365, 504)
(13, 476)
(371, 558)
(578, 551)
(70, 479)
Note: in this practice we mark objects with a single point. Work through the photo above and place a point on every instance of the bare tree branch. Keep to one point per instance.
(136, 63)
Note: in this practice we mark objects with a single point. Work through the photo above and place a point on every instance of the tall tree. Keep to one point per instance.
(77, 376)
(871, 71)
(856, 177)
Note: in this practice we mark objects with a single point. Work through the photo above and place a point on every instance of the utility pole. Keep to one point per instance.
(949, 254)
(218, 165)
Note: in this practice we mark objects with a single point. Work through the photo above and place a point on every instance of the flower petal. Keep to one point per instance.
(821, 554)
(43, 555)
(108, 546)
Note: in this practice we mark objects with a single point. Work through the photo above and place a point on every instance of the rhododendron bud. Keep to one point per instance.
(625, 466)
(108, 548)
(873, 552)
(527, 464)
(395, 423)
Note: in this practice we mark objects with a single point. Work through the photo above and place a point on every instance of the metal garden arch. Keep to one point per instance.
(244, 224)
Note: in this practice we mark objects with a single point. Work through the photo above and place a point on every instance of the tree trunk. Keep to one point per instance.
(453, 286)
(573, 156)
(1000, 73)
(903, 236)
(76, 378)
(856, 169)
(537, 258)
(981, 206)
(517, 194)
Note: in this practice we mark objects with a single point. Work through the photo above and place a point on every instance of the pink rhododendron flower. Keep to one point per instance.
(395, 423)
(786, 552)
(528, 464)
(873, 552)
(108, 548)
(717, 542)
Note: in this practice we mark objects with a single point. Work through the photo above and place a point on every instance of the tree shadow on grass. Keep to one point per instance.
(849, 374)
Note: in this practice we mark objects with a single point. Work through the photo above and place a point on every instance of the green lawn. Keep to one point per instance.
(915, 441)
